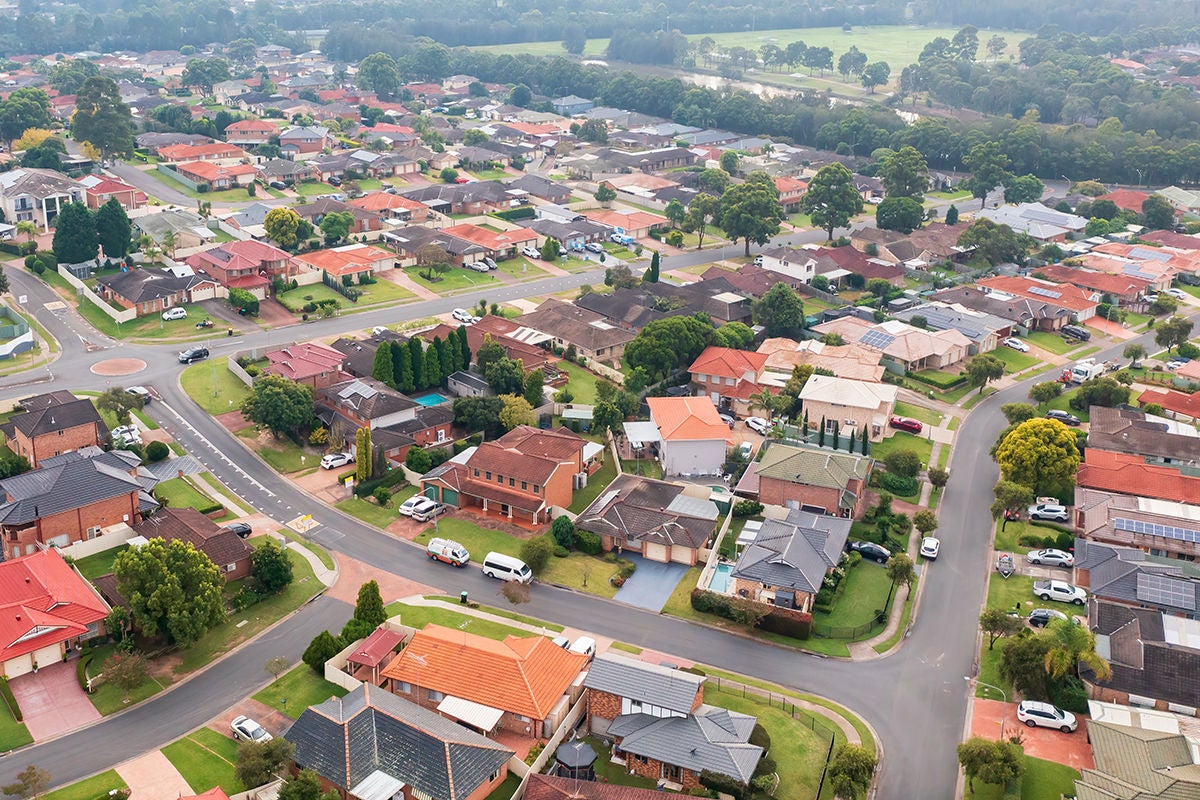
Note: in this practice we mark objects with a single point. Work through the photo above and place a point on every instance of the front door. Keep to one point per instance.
(672, 773)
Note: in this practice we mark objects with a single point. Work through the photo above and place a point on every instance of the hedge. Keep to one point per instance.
(521, 212)
(938, 379)
(394, 477)
(81, 669)
(788, 622)
(6, 691)
(723, 784)
(898, 484)
(587, 542)
(747, 508)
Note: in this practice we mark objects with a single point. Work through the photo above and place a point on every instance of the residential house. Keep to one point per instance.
(1123, 473)
(791, 265)
(410, 240)
(1035, 220)
(1174, 404)
(810, 479)
(1179, 241)
(364, 221)
(630, 222)
(692, 437)
(521, 685)
(571, 105)
(303, 142)
(251, 132)
(658, 722)
(154, 140)
(556, 787)
(396, 422)
(907, 347)
(566, 324)
(853, 361)
(1126, 199)
(523, 475)
(283, 170)
(312, 363)
(375, 652)
(843, 404)
(1183, 200)
(664, 522)
(505, 333)
(1156, 439)
(635, 308)
(748, 280)
(352, 261)
(1081, 303)
(48, 611)
(391, 207)
(787, 561)
(498, 245)
(71, 497)
(1127, 290)
(360, 353)
(1154, 759)
(37, 195)
(187, 228)
(1028, 314)
(542, 188)
(728, 377)
(790, 191)
(52, 424)
(373, 744)
(217, 152)
(152, 291)
(934, 243)
(217, 176)
(984, 331)
(100, 189)
(476, 197)
(247, 264)
(224, 548)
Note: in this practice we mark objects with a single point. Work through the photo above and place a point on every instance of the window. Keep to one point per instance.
(500, 479)
(524, 719)
(537, 489)
(401, 686)
(436, 697)
(493, 776)
(701, 378)
(525, 485)
(729, 381)
(230, 567)
(512, 481)
(476, 473)
(489, 475)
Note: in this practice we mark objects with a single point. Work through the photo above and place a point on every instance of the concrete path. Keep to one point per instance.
(153, 777)
(400, 278)
(323, 573)
(218, 493)
(651, 584)
(52, 701)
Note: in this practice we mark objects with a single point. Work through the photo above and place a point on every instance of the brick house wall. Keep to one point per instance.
(508, 721)
(57, 443)
(73, 523)
(653, 769)
(752, 588)
(773, 491)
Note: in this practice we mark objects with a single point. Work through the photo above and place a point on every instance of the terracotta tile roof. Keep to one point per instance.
(1171, 400)
(346, 260)
(1183, 241)
(521, 675)
(1128, 199)
(251, 126)
(687, 418)
(1124, 473)
(377, 647)
(211, 172)
(492, 240)
(728, 363)
(1068, 296)
(629, 220)
(305, 360)
(382, 201)
(215, 793)
(42, 590)
(553, 787)
(559, 443)
(186, 152)
(786, 185)
(533, 457)
(1122, 285)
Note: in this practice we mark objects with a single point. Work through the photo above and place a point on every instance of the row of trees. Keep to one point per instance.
(408, 367)
(79, 232)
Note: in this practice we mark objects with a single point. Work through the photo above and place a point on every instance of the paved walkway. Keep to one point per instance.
(52, 702)
(218, 493)
(323, 573)
(153, 777)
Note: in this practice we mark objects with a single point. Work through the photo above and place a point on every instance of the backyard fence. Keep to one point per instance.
(849, 633)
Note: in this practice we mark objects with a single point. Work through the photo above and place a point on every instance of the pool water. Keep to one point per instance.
(431, 399)
(720, 579)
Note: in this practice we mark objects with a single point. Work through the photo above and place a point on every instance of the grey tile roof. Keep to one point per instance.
(56, 411)
(813, 466)
(713, 738)
(647, 683)
(1127, 430)
(68, 481)
(640, 509)
(366, 398)
(145, 285)
(345, 740)
(940, 317)
(796, 553)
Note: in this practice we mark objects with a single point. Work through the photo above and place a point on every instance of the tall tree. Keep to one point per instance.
(997, 244)
(851, 62)
(675, 212)
(988, 166)
(904, 173)
(402, 370)
(516, 412)
(1070, 646)
(780, 311)
(24, 109)
(173, 589)
(700, 212)
(535, 387)
(464, 346)
(282, 226)
(901, 214)
(751, 211)
(280, 405)
(431, 368)
(651, 275)
(832, 199)
(1157, 213)
(489, 351)
(102, 119)
(75, 234)
(851, 771)
(605, 194)
(382, 369)
(1023, 189)
(417, 357)
(271, 567)
(113, 229)
(983, 369)
(875, 74)
(204, 73)
(369, 605)
(379, 73)
(997, 623)
(1041, 454)
(1170, 334)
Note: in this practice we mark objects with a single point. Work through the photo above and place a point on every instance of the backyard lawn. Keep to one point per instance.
(213, 387)
(901, 440)
(206, 759)
(94, 566)
(456, 280)
(597, 483)
(96, 787)
(582, 382)
(646, 467)
(926, 415)
(301, 688)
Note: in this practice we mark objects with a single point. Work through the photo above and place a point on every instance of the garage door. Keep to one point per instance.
(431, 492)
(21, 665)
(655, 552)
(681, 555)
(450, 497)
(48, 655)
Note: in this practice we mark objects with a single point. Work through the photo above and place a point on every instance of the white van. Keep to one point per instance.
(584, 645)
(447, 550)
(506, 568)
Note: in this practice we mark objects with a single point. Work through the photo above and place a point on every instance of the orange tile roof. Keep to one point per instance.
(521, 675)
(687, 418)
(786, 185)
(183, 152)
(1171, 400)
(1128, 199)
(1070, 297)
(251, 126)
(631, 220)
(382, 201)
(211, 172)
(42, 590)
(345, 260)
(727, 362)
(1126, 473)
(492, 240)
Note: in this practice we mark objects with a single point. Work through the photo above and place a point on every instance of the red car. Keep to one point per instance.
(461, 179)
(905, 424)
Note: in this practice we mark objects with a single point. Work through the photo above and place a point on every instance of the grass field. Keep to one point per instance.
(420, 616)
(1014, 361)
(94, 566)
(926, 415)
(500, 612)
(295, 299)
(13, 734)
(179, 493)
(213, 387)
(152, 326)
(301, 688)
(866, 590)
(206, 759)
(901, 440)
(284, 455)
(1043, 780)
(96, 787)
(581, 382)
(456, 280)
(1053, 342)
(223, 195)
(369, 512)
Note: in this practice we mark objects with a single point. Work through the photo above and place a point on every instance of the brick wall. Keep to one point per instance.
(653, 769)
(48, 445)
(509, 721)
(603, 705)
(772, 491)
(76, 522)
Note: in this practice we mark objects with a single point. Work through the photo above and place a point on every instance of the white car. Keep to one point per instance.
(930, 547)
(478, 266)
(1061, 591)
(140, 392)
(1050, 557)
(463, 316)
(1035, 713)
(1178, 294)
(178, 312)
(1016, 344)
(129, 433)
(758, 425)
(529, 252)
(334, 460)
(1050, 511)
(247, 730)
(594, 247)
(411, 504)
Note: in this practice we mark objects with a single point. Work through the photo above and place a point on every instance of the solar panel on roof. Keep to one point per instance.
(1166, 591)
(1154, 529)
(1040, 292)
(877, 339)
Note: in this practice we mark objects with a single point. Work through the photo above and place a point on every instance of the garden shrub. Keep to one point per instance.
(766, 766)
(560, 551)
(587, 542)
(244, 598)
(898, 484)
(382, 495)
(6, 692)
(760, 737)
(725, 784)
(746, 508)
(157, 451)
(391, 479)
(788, 622)
(1070, 694)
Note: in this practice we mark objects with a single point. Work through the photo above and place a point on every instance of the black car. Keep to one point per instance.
(1065, 417)
(1076, 332)
(280, 185)
(872, 551)
(1041, 617)
(242, 529)
(193, 354)
(335, 181)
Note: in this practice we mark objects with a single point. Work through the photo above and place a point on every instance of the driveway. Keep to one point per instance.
(1071, 749)
(651, 583)
(52, 702)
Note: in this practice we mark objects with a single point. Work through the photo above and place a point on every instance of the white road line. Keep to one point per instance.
(212, 447)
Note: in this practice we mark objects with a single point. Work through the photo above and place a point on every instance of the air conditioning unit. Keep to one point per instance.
(580, 481)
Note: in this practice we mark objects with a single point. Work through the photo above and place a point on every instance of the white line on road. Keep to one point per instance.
(210, 446)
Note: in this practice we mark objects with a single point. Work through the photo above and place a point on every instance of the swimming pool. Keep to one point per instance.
(431, 399)
(720, 579)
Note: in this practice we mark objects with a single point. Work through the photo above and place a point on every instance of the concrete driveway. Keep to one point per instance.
(52, 702)
(651, 584)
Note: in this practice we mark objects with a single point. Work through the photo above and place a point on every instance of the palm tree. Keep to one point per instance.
(899, 570)
(27, 227)
(168, 244)
(764, 400)
(1072, 645)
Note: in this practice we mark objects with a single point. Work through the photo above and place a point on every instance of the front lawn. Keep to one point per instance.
(581, 381)
(284, 455)
(500, 612)
(152, 326)
(478, 541)
(597, 483)
(108, 699)
(1013, 360)
(902, 440)
(213, 387)
(583, 573)
(926, 415)
(97, 787)
(368, 511)
(1042, 780)
(1063, 403)
(1055, 343)
(521, 268)
(866, 591)
(300, 688)
(180, 493)
(420, 616)
(456, 280)
(206, 759)
(13, 734)
(94, 566)
(295, 299)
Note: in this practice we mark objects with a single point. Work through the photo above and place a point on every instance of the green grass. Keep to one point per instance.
(94, 566)
(301, 688)
(152, 326)
(1053, 342)
(960, 194)
(500, 612)
(506, 789)
(1008, 539)
(284, 455)
(521, 268)
(206, 759)
(583, 573)
(479, 541)
(646, 467)
(13, 734)
(582, 382)
(312, 189)
(978, 398)
(223, 195)
(96, 787)
(213, 387)
(488, 174)
(597, 483)
(180, 493)
(420, 616)
(320, 552)
(926, 415)
(1042, 780)
(1008, 593)
(108, 699)
(902, 440)
(294, 299)
(905, 616)
(608, 772)
(1063, 403)
(629, 648)
(368, 511)
(373, 294)
(1014, 361)
(866, 590)
(456, 280)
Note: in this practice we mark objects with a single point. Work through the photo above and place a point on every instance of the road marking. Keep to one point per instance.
(212, 447)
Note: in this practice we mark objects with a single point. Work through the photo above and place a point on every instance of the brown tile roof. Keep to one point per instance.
(1173, 401)
(189, 525)
(552, 787)
(377, 647)
(521, 675)
(728, 362)
(559, 444)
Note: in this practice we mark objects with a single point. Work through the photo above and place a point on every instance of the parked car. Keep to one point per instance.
(427, 512)
(872, 551)
(142, 393)
(128, 433)
(562, 641)
(178, 312)
(242, 529)
(478, 266)
(1049, 511)
(334, 181)
(1065, 417)
(1035, 713)
(277, 185)
(247, 730)
(1016, 344)
(462, 315)
(461, 179)
(1178, 294)
(1050, 557)
(746, 450)
(758, 425)
(594, 247)
(408, 506)
(1061, 591)
(930, 546)
(193, 354)
(1077, 332)
(905, 424)
(491, 263)
(727, 419)
(1041, 617)
(447, 550)
(585, 645)
(334, 460)
(529, 252)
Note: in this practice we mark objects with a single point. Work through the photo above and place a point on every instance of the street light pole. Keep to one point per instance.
(1003, 694)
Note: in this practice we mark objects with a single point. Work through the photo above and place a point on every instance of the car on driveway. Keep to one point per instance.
(1178, 294)
(1041, 617)
(529, 252)
(594, 247)
(408, 506)
(178, 312)
(1049, 511)
(726, 418)
(334, 460)
(871, 551)
(129, 433)
(1050, 557)
(1077, 332)
(930, 546)
(193, 354)
(1065, 417)
(905, 424)
(758, 425)
(478, 266)
(242, 529)
(462, 315)
(1016, 344)
(1061, 591)
(247, 730)
(491, 263)
(1037, 714)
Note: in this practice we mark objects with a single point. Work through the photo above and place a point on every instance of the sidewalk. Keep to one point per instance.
(326, 576)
